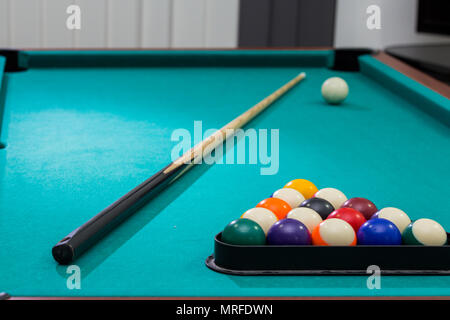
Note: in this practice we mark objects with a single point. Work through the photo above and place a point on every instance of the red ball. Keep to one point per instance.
(352, 216)
(366, 207)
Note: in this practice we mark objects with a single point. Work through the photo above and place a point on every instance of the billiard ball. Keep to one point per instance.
(396, 216)
(366, 207)
(288, 232)
(379, 232)
(291, 196)
(243, 232)
(277, 206)
(305, 215)
(334, 90)
(321, 206)
(334, 232)
(305, 187)
(332, 195)
(425, 232)
(262, 216)
(353, 217)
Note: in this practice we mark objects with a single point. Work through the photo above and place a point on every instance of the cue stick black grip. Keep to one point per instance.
(82, 238)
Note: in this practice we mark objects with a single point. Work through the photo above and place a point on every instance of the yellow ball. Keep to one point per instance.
(305, 187)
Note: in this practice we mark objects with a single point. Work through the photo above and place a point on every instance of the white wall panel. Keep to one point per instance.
(398, 24)
(26, 23)
(93, 33)
(156, 23)
(221, 29)
(188, 26)
(54, 31)
(120, 23)
(124, 23)
(4, 23)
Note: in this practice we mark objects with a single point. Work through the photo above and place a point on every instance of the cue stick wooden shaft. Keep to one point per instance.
(210, 143)
(82, 238)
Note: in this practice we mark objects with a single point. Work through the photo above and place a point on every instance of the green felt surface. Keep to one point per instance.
(79, 138)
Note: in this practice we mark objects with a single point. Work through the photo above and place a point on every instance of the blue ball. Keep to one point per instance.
(379, 232)
(288, 232)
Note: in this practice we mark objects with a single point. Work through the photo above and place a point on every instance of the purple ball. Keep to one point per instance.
(288, 232)
(375, 215)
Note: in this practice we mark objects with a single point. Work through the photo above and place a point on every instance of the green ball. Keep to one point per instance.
(243, 232)
(425, 232)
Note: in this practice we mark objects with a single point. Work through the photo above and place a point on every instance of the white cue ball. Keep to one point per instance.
(262, 216)
(332, 195)
(291, 196)
(307, 216)
(334, 90)
(396, 216)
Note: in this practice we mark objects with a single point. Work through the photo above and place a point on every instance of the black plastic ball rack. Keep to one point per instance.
(328, 260)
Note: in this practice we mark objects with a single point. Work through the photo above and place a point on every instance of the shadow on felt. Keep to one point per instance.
(106, 246)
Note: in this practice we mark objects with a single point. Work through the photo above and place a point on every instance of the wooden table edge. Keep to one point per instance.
(318, 298)
(413, 73)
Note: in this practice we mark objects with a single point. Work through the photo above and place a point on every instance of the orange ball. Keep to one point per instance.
(280, 207)
(305, 187)
(333, 232)
(316, 239)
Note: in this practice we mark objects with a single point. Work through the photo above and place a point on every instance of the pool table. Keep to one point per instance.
(81, 128)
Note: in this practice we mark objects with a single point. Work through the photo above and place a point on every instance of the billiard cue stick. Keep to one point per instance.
(82, 238)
